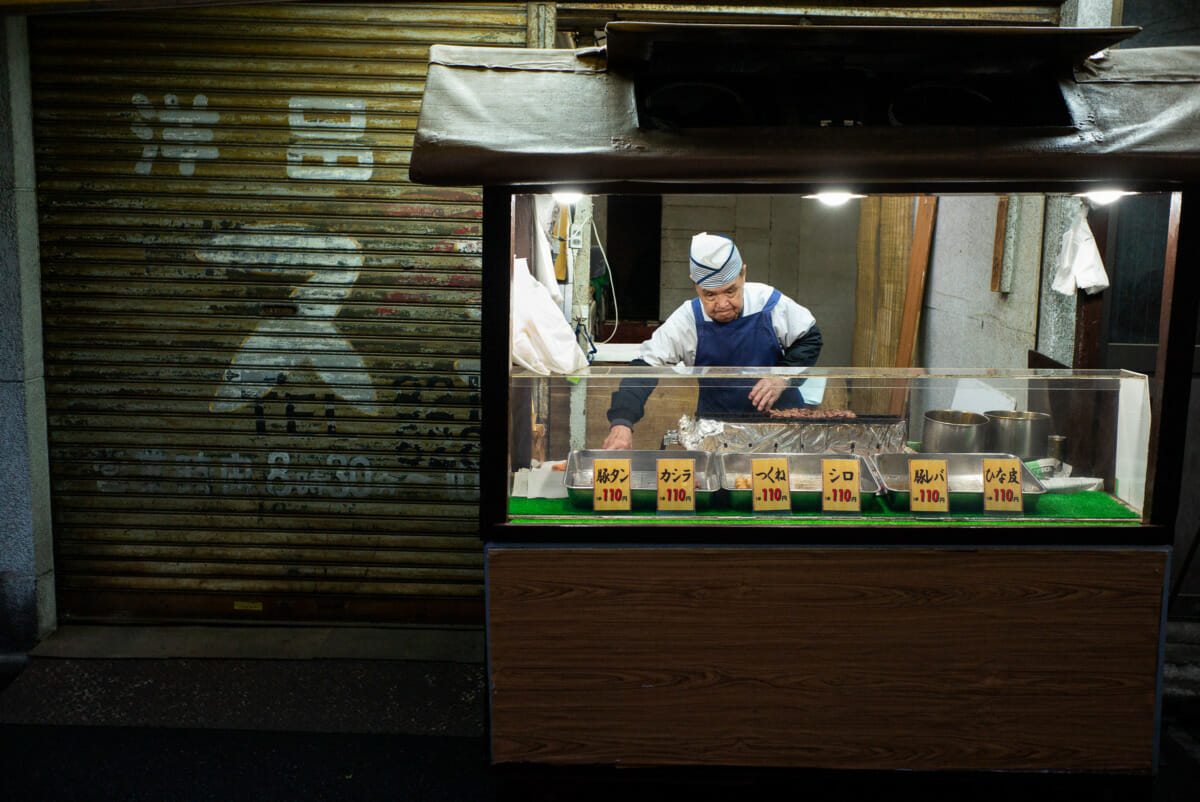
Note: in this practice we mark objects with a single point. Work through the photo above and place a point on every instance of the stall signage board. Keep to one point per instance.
(840, 485)
(611, 485)
(928, 485)
(1002, 485)
(772, 489)
(677, 485)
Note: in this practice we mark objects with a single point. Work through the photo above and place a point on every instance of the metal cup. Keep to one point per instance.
(1017, 432)
(953, 431)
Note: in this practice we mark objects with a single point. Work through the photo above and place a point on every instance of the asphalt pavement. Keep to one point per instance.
(337, 714)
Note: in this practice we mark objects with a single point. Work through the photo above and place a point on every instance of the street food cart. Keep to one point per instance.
(921, 625)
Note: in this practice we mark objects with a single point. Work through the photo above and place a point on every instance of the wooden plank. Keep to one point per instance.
(874, 658)
(914, 292)
(998, 243)
(918, 266)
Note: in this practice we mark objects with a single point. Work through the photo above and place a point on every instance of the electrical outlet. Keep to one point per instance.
(575, 238)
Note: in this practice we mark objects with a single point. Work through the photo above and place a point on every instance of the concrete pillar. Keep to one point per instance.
(26, 555)
(1087, 14)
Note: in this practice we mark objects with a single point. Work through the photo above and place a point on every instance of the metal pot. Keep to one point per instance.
(954, 431)
(1023, 434)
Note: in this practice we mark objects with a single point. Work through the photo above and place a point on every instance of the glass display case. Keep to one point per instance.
(865, 446)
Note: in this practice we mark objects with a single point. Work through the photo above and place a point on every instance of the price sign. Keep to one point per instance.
(677, 485)
(772, 491)
(610, 485)
(1002, 485)
(928, 486)
(840, 485)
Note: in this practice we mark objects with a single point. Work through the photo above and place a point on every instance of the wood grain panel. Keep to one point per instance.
(837, 658)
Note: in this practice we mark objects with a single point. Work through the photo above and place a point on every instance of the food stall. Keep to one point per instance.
(896, 575)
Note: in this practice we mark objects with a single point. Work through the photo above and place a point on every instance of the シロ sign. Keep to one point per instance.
(840, 485)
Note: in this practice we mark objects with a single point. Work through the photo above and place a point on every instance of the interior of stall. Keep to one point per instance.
(938, 313)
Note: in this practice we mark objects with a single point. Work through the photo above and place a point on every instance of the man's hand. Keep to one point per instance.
(619, 438)
(764, 394)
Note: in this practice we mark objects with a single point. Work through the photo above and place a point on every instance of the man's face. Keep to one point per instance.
(723, 304)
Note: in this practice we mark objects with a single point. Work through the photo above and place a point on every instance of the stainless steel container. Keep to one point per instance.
(804, 474)
(953, 431)
(579, 476)
(1018, 432)
(964, 480)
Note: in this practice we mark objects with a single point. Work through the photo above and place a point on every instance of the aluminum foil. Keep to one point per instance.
(852, 436)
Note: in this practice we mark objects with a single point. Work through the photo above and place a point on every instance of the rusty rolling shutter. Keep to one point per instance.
(261, 341)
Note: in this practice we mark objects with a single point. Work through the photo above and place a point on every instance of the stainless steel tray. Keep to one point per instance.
(643, 482)
(804, 476)
(964, 480)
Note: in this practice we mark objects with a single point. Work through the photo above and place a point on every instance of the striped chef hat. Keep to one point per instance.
(715, 260)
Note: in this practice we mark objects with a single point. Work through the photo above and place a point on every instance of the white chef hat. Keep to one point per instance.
(715, 260)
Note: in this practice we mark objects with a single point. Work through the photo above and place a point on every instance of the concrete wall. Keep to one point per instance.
(805, 249)
(26, 557)
(963, 323)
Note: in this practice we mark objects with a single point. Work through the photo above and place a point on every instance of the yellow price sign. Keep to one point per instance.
(677, 485)
(611, 485)
(840, 485)
(928, 485)
(771, 488)
(1002, 485)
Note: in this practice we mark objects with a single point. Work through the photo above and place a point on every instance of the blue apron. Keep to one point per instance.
(745, 341)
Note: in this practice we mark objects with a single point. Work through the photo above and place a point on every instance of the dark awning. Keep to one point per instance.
(496, 116)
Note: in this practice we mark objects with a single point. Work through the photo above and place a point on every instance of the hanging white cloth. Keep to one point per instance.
(542, 339)
(1079, 265)
(544, 214)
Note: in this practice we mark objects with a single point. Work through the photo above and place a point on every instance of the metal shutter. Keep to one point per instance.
(261, 341)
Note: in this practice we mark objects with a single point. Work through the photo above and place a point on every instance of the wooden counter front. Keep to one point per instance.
(875, 658)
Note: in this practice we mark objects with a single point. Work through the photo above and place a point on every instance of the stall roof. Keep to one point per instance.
(524, 117)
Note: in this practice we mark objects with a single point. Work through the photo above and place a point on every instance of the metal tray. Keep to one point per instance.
(965, 480)
(643, 483)
(804, 476)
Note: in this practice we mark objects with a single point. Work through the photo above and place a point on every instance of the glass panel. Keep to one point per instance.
(964, 282)
(1080, 438)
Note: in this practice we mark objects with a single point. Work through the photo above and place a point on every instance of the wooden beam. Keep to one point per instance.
(1169, 398)
(914, 290)
(998, 243)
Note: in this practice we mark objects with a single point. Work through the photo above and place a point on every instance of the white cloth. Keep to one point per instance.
(713, 260)
(544, 209)
(1079, 265)
(542, 339)
(674, 342)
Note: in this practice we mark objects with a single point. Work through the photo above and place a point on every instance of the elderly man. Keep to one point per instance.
(731, 322)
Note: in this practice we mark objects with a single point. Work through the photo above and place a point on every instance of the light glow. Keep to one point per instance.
(835, 198)
(568, 198)
(1102, 197)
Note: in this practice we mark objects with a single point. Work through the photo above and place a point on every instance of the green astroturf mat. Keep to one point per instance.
(1087, 507)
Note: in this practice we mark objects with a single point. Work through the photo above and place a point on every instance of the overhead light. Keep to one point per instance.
(834, 198)
(1102, 197)
(568, 198)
